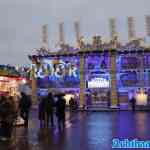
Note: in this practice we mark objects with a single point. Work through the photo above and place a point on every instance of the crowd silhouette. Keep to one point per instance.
(50, 106)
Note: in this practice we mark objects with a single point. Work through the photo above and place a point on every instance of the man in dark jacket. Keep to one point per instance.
(41, 111)
(48, 109)
(60, 111)
(25, 105)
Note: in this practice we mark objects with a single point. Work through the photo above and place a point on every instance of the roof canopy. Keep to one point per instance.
(6, 70)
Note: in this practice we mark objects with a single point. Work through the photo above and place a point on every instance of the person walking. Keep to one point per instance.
(60, 111)
(49, 109)
(41, 111)
(8, 115)
(71, 104)
(24, 106)
(133, 102)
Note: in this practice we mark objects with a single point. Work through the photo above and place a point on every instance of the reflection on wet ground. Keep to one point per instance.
(84, 131)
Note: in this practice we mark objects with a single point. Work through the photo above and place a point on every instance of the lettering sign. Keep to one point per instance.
(99, 83)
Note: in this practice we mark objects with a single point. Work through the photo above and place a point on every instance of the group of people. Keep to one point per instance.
(49, 106)
(10, 109)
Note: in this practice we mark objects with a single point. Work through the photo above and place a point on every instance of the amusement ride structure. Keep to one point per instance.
(95, 72)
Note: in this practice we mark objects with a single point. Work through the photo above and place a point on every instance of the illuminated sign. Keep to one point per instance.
(58, 73)
(42, 92)
(99, 83)
(57, 69)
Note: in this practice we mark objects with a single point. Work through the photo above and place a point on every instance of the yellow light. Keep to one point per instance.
(68, 97)
(141, 98)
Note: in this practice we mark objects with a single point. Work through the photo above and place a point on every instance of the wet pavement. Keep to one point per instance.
(84, 131)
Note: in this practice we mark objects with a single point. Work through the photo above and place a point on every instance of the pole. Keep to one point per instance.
(113, 95)
(82, 81)
(33, 85)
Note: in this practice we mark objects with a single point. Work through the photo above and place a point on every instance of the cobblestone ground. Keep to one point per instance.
(84, 131)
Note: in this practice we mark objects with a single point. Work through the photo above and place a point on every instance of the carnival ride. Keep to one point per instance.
(102, 71)
(108, 68)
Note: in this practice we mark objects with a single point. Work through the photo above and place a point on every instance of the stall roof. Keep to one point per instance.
(9, 71)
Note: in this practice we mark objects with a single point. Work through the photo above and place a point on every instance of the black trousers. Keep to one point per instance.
(6, 129)
(48, 116)
(133, 107)
(61, 120)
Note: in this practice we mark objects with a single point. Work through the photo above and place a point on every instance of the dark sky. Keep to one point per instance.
(21, 21)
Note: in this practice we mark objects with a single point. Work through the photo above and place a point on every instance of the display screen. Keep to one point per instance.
(97, 63)
(130, 62)
(97, 75)
(129, 79)
(58, 73)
